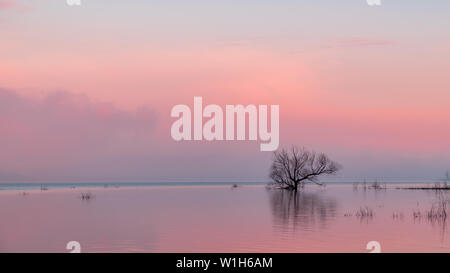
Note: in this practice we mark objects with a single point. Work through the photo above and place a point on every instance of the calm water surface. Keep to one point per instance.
(220, 219)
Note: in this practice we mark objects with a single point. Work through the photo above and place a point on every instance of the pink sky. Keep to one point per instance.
(87, 95)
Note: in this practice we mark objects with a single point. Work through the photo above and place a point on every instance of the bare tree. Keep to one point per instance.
(294, 168)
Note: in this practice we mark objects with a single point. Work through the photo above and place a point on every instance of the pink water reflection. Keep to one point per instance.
(218, 219)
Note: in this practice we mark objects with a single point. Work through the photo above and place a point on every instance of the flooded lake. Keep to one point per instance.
(219, 218)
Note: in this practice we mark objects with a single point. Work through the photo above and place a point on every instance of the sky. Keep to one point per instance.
(86, 91)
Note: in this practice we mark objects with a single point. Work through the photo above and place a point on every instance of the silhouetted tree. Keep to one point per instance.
(294, 168)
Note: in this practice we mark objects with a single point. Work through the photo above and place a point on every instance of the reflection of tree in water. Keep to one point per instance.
(302, 210)
(438, 215)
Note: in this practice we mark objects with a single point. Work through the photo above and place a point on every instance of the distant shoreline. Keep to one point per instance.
(53, 186)
(425, 188)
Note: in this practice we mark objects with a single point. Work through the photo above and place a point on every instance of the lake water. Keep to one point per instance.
(219, 218)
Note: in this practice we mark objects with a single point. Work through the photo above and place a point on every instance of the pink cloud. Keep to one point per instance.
(13, 5)
(65, 129)
(8, 4)
(356, 42)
